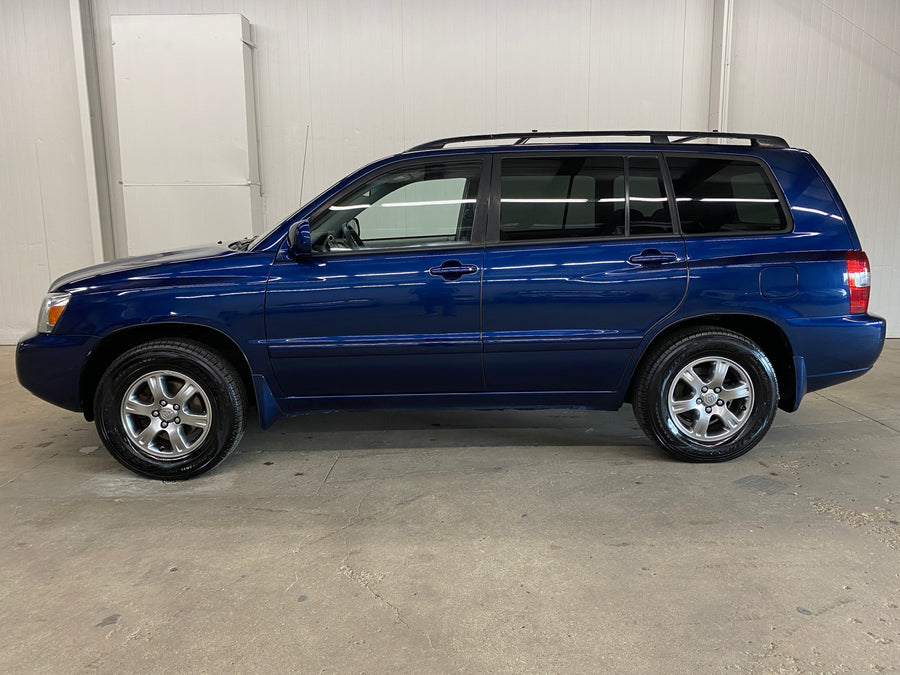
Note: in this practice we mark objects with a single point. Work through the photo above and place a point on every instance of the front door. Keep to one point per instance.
(388, 303)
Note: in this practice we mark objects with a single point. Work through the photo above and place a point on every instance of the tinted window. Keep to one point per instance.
(413, 206)
(648, 206)
(725, 196)
(554, 198)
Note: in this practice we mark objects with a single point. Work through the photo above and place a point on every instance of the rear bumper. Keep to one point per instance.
(834, 349)
(50, 367)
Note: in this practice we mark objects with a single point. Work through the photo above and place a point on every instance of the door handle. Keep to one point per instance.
(652, 256)
(452, 269)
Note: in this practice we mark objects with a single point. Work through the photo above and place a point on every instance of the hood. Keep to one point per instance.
(144, 264)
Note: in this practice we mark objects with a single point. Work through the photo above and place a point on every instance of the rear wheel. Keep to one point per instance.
(708, 395)
(170, 409)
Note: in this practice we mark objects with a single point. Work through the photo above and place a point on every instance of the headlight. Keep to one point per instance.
(51, 310)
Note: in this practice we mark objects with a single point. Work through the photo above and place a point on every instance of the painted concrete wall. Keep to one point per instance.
(361, 79)
(45, 222)
(825, 74)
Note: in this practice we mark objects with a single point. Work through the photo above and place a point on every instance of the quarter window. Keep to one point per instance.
(725, 196)
(604, 196)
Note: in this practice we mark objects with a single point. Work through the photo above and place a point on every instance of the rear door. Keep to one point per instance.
(582, 260)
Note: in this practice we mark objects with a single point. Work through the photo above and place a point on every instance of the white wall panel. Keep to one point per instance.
(367, 78)
(649, 64)
(449, 79)
(826, 75)
(186, 129)
(182, 82)
(213, 210)
(45, 224)
(543, 66)
(353, 63)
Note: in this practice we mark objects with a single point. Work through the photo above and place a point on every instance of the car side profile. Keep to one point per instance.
(706, 279)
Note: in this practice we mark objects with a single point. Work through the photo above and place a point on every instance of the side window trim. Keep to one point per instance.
(492, 234)
(767, 172)
(670, 191)
(627, 177)
(482, 207)
(481, 204)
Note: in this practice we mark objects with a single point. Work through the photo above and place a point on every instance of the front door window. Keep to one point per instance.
(418, 206)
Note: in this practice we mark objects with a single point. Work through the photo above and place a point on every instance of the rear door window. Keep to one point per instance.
(725, 196)
(648, 206)
(582, 197)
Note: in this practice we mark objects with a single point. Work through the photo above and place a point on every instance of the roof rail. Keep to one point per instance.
(656, 137)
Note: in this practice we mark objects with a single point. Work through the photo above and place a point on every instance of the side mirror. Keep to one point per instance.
(299, 240)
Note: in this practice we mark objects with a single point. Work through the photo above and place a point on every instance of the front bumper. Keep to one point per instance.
(50, 366)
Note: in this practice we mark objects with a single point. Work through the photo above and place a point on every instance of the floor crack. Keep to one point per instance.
(858, 412)
(365, 578)
(330, 469)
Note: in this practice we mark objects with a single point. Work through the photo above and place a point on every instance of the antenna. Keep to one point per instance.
(303, 166)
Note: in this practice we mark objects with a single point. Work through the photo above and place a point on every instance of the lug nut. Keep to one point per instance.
(705, 389)
(709, 410)
(177, 420)
(163, 403)
(717, 389)
(176, 407)
(699, 400)
(720, 402)
(164, 424)
(155, 413)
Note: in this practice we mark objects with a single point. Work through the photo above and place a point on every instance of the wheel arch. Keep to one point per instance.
(764, 332)
(113, 345)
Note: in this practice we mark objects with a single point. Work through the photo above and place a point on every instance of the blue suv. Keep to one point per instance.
(707, 279)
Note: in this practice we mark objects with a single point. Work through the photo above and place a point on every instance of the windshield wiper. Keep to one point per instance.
(242, 244)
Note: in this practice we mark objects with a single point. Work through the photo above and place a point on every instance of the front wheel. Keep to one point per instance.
(170, 409)
(708, 395)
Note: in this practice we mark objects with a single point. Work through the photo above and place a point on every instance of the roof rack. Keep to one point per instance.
(656, 137)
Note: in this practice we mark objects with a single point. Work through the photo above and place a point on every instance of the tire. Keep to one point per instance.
(708, 395)
(170, 409)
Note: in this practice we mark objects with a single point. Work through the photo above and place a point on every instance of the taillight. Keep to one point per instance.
(858, 281)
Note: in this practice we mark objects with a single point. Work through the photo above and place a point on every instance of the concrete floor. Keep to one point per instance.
(554, 541)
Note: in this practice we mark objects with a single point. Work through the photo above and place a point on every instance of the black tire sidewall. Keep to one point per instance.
(731, 346)
(224, 400)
